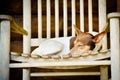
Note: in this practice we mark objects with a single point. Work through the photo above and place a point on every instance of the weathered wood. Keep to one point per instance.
(4, 49)
(102, 20)
(57, 18)
(104, 72)
(56, 61)
(65, 74)
(102, 23)
(90, 16)
(82, 15)
(26, 74)
(40, 19)
(48, 18)
(73, 16)
(27, 39)
(65, 17)
(115, 45)
(59, 63)
(89, 57)
(27, 25)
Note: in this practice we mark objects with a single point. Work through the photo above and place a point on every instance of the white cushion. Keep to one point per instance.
(66, 42)
(48, 47)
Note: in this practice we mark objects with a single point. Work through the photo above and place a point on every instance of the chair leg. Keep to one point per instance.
(103, 72)
(26, 74)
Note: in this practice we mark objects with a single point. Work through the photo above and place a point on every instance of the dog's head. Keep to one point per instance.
(84, 41)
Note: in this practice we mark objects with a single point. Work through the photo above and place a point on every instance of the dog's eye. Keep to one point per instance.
(81, 45)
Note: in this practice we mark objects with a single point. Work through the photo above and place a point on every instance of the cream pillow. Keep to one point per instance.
(48, 47)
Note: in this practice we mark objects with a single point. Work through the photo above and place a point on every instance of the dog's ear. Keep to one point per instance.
(78, 32)
(98, 37)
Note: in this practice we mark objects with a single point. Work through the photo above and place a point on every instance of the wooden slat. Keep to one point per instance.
(27, 25)
(39, 19)
(99, 56)
(27, 39)
(56, 18)
(102, 23)
(65, 17)
(90, 25)
(73, 17)
(102, 20)
(102, 14)
(59, 63)
(64, 74)
(4, 49)
(82, 15)
(48, 9)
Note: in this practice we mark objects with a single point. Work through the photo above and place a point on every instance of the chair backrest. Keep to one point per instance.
(60, 15)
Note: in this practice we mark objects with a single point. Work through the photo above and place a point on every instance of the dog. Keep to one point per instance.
(84, 41)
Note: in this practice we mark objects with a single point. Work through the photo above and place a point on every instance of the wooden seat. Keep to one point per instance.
(76, 17)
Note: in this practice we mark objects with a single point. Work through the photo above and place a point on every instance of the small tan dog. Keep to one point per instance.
(84, 41)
